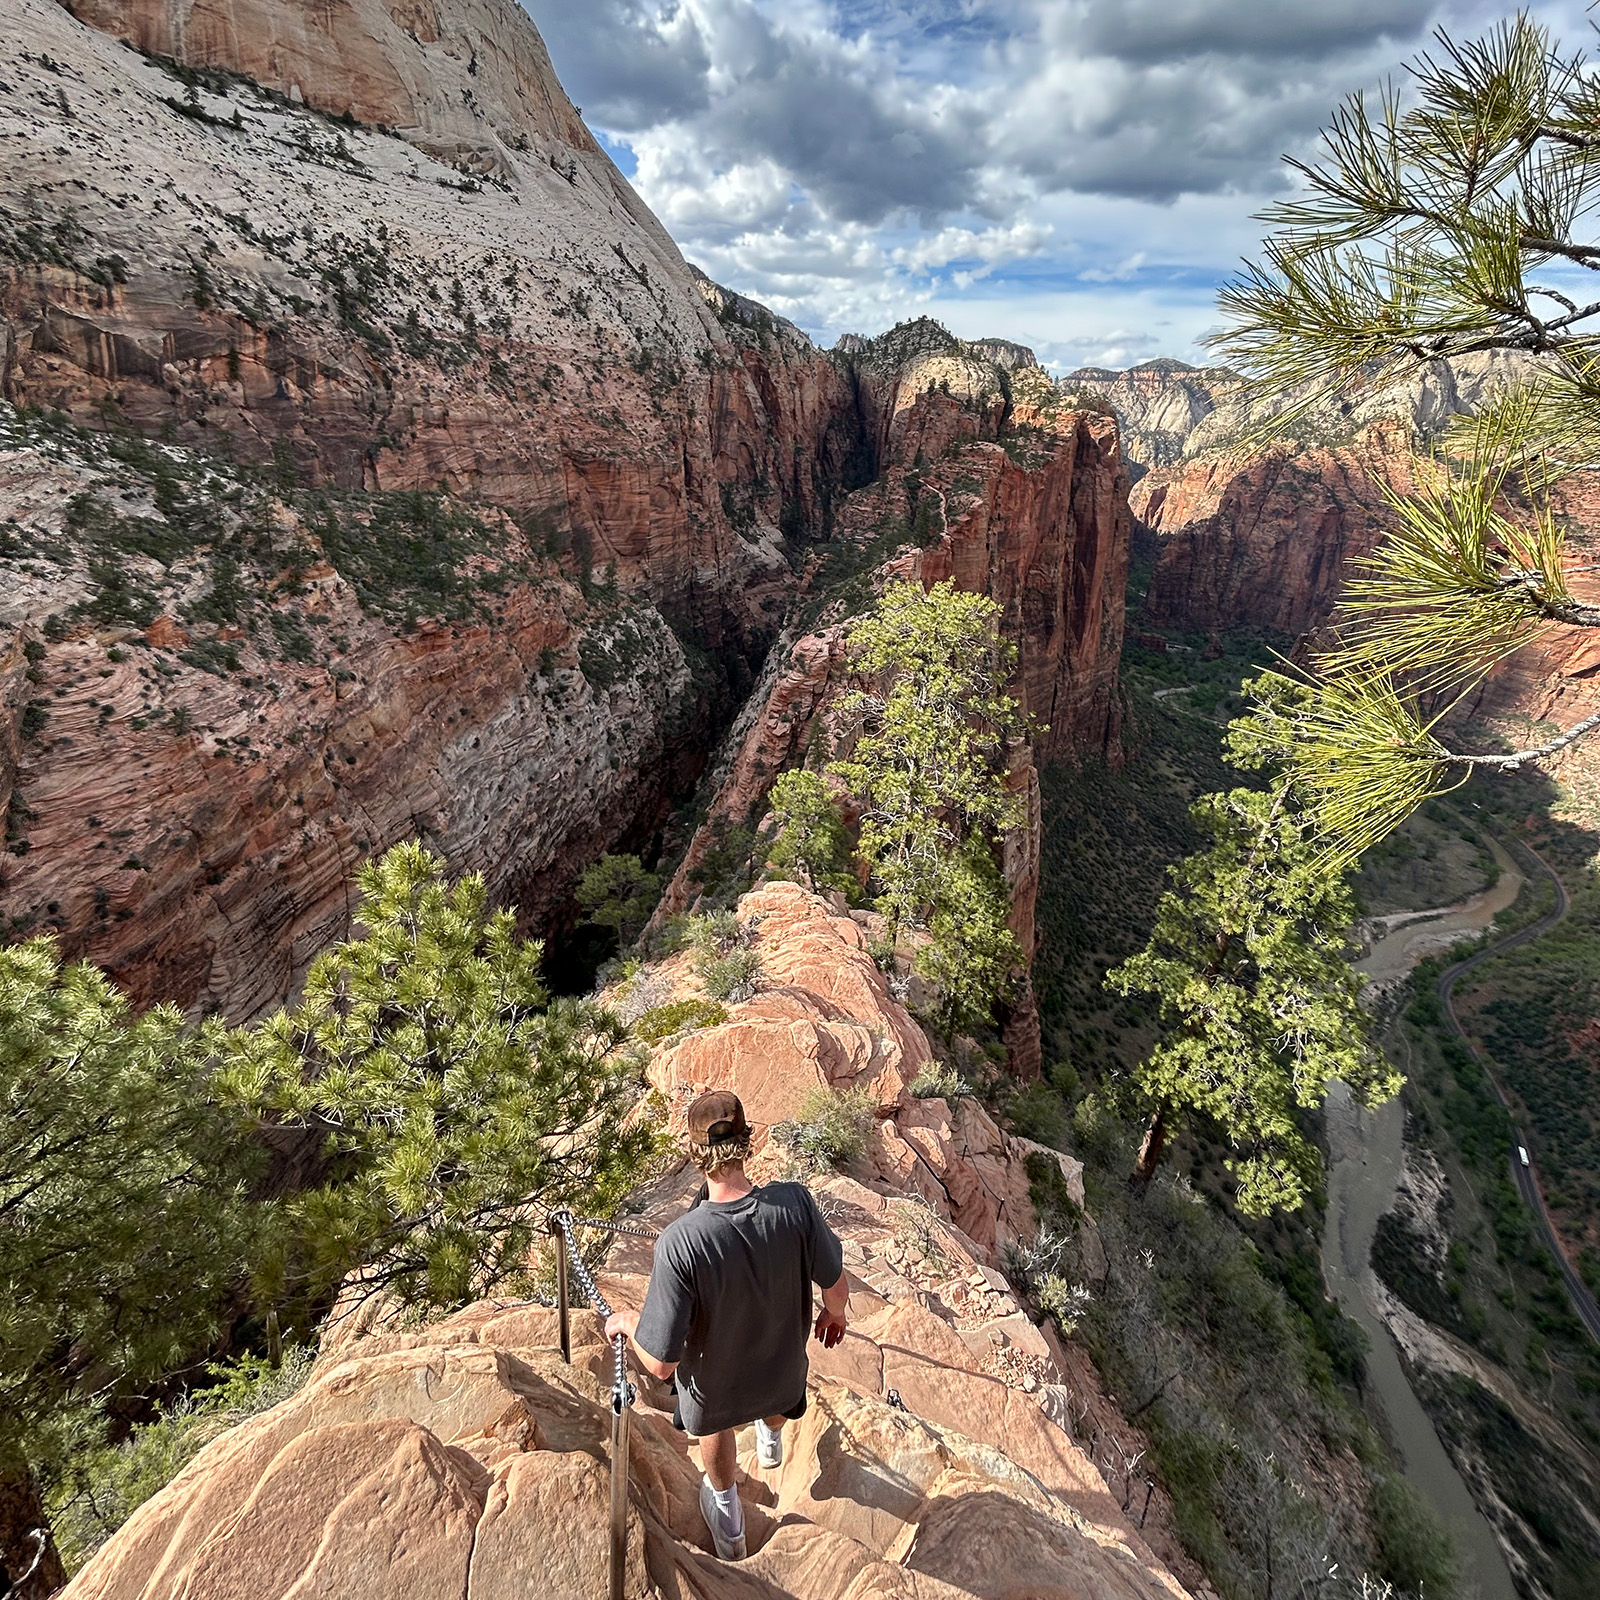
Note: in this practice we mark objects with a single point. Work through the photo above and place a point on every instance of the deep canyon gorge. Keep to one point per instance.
(373, 468)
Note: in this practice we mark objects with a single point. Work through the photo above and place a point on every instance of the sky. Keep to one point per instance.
(1076, 175)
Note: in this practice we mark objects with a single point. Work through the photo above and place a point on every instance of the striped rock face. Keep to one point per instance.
(389, 474)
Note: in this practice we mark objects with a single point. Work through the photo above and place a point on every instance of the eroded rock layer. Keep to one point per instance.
(505, 505)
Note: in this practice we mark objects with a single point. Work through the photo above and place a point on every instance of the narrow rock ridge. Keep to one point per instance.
(1039, 523)
(939, 1456)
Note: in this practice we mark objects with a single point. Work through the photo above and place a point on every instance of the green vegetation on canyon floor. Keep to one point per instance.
(1245, 1377)
(1109, 834)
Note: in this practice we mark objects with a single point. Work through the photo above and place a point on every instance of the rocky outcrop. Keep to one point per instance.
(1266, 539)
(466, 80)
(824, 1019)
(471, 1460)
(1007, 494)
(1038, 522)
(938, 1456)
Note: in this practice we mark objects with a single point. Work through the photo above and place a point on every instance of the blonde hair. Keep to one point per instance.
(712, 1158)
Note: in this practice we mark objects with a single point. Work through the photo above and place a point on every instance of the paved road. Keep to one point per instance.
(1526, 1177)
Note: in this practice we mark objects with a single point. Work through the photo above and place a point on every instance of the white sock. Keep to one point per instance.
(728, 1504)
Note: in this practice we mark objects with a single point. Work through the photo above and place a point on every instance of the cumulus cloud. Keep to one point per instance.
(1163, 31)
(854, 161)
(630, 64)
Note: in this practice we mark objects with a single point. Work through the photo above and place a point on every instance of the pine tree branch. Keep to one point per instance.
(1577, 141)
(1553, 294)
(1558, 608)
(1575, 314)
(1585, 255)
(1576, 613)
(1510, 763)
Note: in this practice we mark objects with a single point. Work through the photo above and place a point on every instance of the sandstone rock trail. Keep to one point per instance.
(466, 1458)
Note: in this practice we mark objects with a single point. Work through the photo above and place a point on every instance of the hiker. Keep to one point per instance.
(729, 1307)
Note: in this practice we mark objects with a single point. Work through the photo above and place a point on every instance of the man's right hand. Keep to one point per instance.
(830, 1327)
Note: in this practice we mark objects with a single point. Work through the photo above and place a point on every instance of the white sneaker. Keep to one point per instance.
(728, 1549)
(769, 1445)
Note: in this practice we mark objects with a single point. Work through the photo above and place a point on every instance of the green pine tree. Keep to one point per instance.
(811, 843)
(125, 1231)
(618, 893)
(929, 770)
(1423, 231)
(451, 1089)
(1249, 974)
(971, 957)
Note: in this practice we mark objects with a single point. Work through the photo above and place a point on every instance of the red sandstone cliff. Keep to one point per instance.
(1265, 539)
(204, 260)
(351, 314)
(1248, 535)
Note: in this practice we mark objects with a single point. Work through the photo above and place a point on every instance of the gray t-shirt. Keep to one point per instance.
(730, 1302)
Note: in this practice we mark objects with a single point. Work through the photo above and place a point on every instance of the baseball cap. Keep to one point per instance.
(718, 1118)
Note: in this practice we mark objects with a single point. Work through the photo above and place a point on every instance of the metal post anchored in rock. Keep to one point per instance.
(622, 1392)
(559, 1234)
(621, 1416)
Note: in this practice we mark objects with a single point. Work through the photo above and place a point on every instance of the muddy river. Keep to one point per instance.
(1366, 1162)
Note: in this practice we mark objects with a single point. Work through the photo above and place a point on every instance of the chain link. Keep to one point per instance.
(622, 1392)
(565, 1220)
(624, 1228)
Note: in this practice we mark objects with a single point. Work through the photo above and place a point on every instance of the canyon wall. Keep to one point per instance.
(990, 482)
(229, 708)
(1265, 539)
(342, 302)
(1242, 532)
(394, 476)
(1265, 536)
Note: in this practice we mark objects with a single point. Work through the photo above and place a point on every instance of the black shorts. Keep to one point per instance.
(794, 1414)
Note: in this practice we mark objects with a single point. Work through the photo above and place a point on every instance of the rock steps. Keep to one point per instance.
(468, 1460)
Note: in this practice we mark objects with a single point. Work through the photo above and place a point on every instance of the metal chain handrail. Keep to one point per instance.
(627, 1229)
(623, 1394)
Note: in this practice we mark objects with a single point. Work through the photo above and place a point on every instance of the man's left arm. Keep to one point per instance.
(627, 1323)
(668, 1306)
(827, 1270)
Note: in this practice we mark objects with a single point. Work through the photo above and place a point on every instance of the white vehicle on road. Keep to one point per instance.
(1523, 1154)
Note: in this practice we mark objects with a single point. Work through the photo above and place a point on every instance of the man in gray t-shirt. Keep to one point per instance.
(729, 1308)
